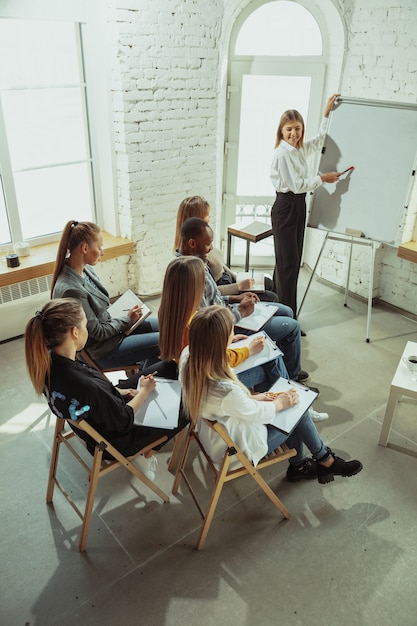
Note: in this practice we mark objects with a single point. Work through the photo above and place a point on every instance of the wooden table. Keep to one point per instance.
(252, 233)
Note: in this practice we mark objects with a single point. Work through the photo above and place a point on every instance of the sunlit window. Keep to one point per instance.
(258, 123)
(280, 28)
(43, 103)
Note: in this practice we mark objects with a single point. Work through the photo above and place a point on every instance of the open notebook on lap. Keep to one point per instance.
(288, 419)
(263, 311)
(122, 305)
(161, 408)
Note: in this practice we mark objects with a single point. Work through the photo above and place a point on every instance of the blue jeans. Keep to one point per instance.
(262, 377)
(141, 345)
(285, 331)
(304, 433)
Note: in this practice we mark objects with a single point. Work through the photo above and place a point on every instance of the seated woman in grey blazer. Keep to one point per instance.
(81, 247)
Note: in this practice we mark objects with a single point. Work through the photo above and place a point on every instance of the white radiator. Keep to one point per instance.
(19, 302)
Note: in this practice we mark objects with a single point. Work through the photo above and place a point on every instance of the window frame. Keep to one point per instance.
(312, 65)
(93, 46)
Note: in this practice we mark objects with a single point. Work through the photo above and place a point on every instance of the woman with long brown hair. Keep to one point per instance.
(73, 389)
(80, 248)
(182, 293)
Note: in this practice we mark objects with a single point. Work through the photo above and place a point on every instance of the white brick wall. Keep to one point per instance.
(165, 90)
(167, 87)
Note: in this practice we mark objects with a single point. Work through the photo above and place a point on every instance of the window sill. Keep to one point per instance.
(408, 251)
(41, 260)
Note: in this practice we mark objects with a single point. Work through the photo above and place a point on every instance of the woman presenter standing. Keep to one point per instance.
(291, 180)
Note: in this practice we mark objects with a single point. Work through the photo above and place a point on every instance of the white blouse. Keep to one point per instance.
(244, 418)
(289, 167)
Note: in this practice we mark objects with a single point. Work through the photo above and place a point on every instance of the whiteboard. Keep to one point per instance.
(380, 140)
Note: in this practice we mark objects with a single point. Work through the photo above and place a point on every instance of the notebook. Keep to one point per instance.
(269, 352)
(263, 312)
(287, 420)
(126, 302)
(161, 408)
(258, 277)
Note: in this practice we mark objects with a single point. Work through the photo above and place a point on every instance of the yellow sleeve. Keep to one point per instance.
(236, 356)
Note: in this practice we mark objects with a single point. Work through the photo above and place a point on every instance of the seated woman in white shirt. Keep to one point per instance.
(212, 391)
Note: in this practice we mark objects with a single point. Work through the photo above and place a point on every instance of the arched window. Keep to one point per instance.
(279, 29)
(277, 61)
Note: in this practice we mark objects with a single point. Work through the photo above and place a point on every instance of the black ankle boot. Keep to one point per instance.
(338, 468)
(308, 469)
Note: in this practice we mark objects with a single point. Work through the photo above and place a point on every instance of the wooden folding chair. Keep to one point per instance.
(98, 468)
(224, 474)
(130, 369)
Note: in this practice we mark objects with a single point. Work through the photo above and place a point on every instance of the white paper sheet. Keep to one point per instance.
(121, 306)
(161, 408)
(286, 420)
(262, 313)
(269, 352)
(258, 277)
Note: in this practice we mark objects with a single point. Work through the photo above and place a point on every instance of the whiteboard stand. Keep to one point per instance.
(351, 240)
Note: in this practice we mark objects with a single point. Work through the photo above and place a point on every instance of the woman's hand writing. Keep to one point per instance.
(135, 313)
(247, 303)
(286, 400)
(245, 284)
(256, 345)
(147, 384)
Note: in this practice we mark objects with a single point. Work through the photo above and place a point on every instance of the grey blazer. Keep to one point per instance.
(104, 332)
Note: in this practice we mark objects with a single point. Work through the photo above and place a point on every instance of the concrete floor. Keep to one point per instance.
(347, 556)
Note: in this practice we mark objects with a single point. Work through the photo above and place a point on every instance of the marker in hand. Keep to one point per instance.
(349, 169)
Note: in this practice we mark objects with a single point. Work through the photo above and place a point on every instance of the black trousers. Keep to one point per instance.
(288, 216)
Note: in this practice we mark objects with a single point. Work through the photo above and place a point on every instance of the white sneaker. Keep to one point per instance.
(318, 417)
(148, 466)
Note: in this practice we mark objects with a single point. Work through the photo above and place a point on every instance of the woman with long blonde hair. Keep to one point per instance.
(211, 391)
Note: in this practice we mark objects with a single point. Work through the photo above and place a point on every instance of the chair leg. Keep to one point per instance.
(125, 462)
(59, 427)
(271, 495)
(183, 460)
(252, 471)
(208, 517)
(88, 511)
(176, 450)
